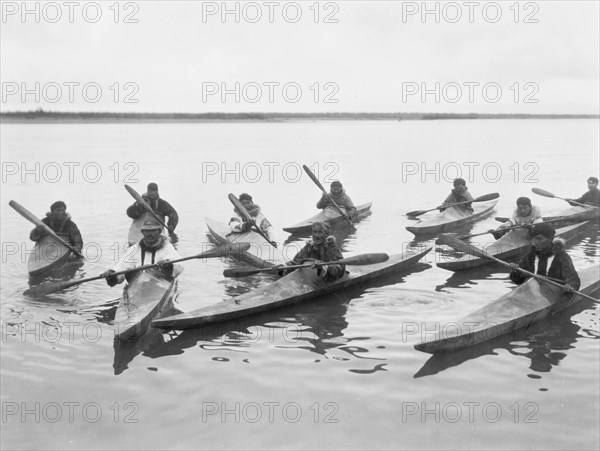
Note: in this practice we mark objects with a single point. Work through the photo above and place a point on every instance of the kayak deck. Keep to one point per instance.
(568, 216)
(331, 216)
(512, 246)
(527, 303)
(296, 287)
(451, 218)
(145, 298)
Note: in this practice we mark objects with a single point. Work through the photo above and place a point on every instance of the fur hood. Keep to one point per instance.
(329, 241)
(254, 210)
(339, 196)
(67, 217)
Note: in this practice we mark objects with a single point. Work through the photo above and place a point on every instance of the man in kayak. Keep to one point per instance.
(338, 195)
(322, 248)
(160, 206)
(153, 248)
(60, 222)
(591, 197)
(525, 214)
(237, 224)
(459, 194)
(547, 257)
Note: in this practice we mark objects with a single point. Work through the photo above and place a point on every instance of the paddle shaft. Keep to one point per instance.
(318, 183)
(464, 237)
(483, 198)
(481, 253)
(542, 192)
(240, 207)
(34, 219)
(144, 204)
(364, 259)
(52, 287)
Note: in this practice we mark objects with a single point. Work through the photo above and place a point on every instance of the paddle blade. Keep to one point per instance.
(243, 272)
(486, 197)
(47, 288)
(313, 177)
(541, 192)
(416, 213)
(363, 259)
(459, 245)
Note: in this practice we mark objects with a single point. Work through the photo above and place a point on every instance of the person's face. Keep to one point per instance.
(153, 194)
(59, 214)
(336, 190)
(151, 237)
(524, 210)
(247, 203)
(592, 185)
(460, 188)
(318, 235)
(541, 243)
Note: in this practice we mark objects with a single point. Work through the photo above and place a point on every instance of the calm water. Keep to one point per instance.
(340, 372)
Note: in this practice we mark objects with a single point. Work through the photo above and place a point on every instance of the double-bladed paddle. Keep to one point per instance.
(314, 178)
(362, 259)
(545, 193)
(470, 249)
(218, 251)
(144, 204)
(33, 219)
(483, 198)
(464, 237)
(240, 207)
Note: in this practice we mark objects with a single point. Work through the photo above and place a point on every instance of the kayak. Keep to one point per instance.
(568, 216)
(298, 286)
(261, 254)
(451, 218)
(48, 254)
(331, 216)
(511, 246)
(146, 297)
(526, 304)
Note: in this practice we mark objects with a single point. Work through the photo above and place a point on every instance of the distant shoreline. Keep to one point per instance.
(58, 117)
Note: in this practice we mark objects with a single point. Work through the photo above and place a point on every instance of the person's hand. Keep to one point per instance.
(171, 229)
(568, 288)
(40, 229)
(514, 266)
(166, 267)
(110, 280)
(322, 271)
(281, 270)
(77, 248)
(441, 209)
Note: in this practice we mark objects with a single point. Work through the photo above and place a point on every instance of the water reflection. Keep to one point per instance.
(63, 273)
(545, 343)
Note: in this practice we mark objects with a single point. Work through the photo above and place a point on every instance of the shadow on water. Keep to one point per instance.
(61, 274)
(461, 279)
(316, 326)
(545, 343)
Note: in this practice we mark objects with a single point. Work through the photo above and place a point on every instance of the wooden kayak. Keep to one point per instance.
(568, 216)
(511, 246)
(296, 287)
(48, 254)
(526, 304)
(331, 216)
(261, 254)
(146, 297)
(452, 218)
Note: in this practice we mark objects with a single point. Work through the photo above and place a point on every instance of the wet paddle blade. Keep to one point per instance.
(542, 192)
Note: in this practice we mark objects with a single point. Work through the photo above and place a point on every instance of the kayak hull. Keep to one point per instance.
(527, 303)
(452, 218)
(512, 246)
(331, 216)
(296, 287)
(568, 216)
(146, 297)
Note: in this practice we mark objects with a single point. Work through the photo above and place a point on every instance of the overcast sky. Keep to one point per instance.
(170, 56)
